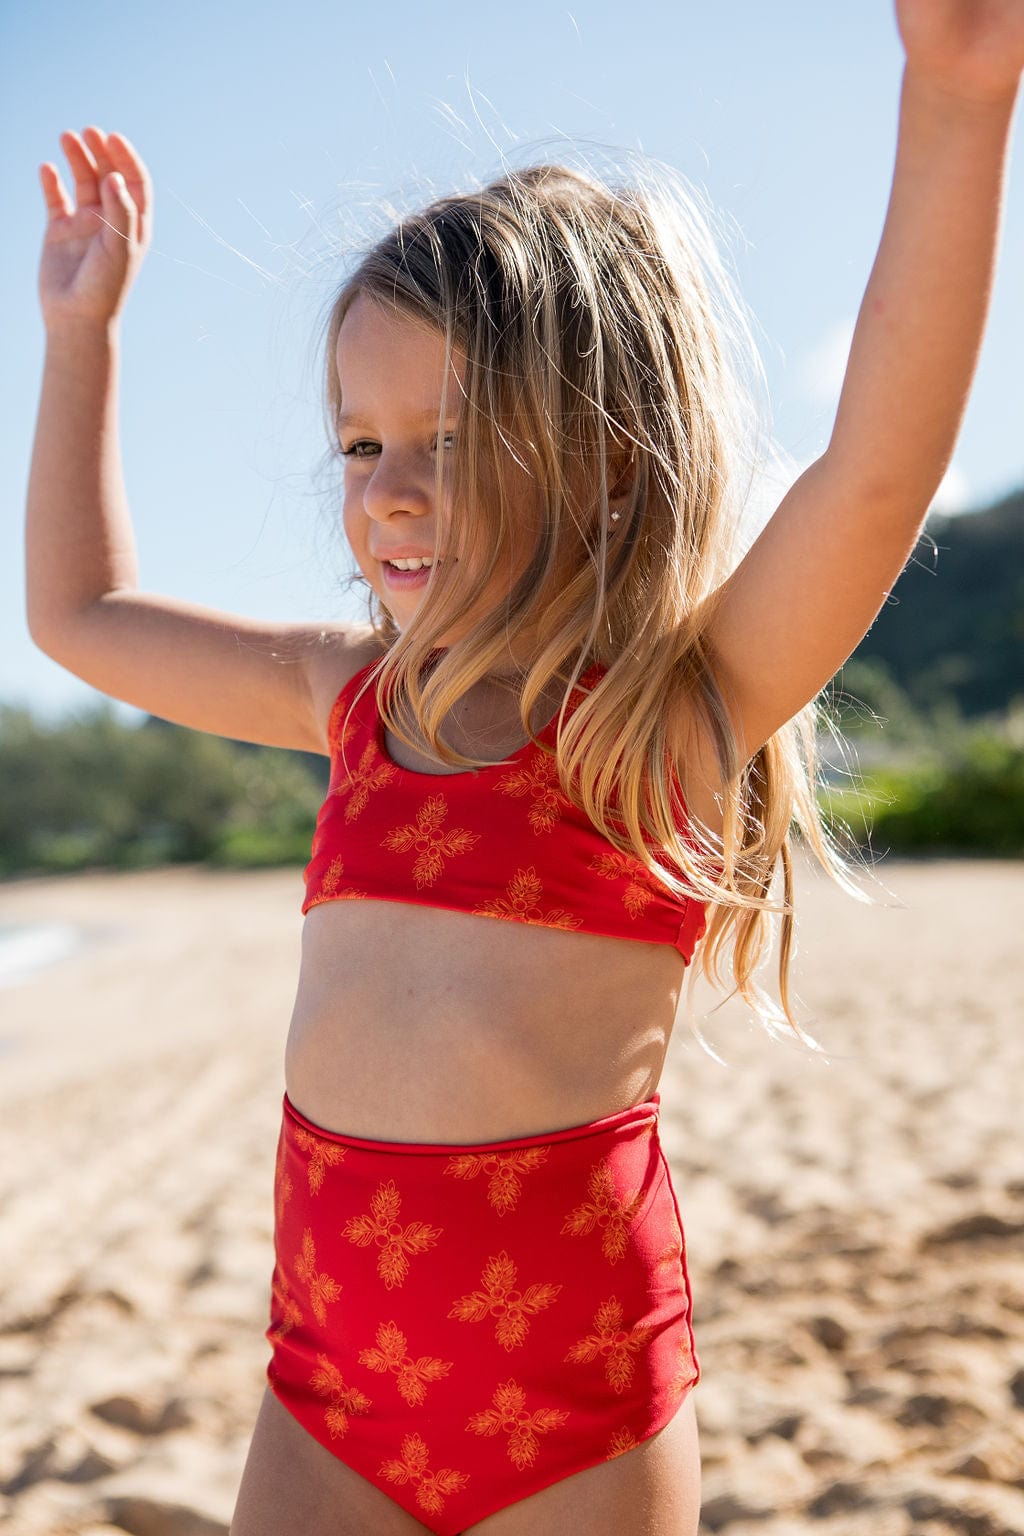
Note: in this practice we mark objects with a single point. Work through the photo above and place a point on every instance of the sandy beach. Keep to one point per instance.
(855, 1219)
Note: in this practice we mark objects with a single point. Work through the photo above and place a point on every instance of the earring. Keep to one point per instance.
(615, 516)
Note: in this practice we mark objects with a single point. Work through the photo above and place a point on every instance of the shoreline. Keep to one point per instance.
(29, 948)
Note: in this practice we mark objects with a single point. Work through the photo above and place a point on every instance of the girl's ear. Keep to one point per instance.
(621, 473)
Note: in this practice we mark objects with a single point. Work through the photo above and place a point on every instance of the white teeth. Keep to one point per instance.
(414, 564)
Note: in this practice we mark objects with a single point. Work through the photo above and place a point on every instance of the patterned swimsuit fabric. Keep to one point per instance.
(465, 1325)
(502, 841)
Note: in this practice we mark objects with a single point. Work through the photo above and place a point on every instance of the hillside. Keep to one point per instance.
(954, 626)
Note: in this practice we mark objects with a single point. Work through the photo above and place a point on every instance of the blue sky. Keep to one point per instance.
(276, 134)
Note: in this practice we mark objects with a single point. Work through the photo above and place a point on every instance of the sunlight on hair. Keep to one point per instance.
(591, 293)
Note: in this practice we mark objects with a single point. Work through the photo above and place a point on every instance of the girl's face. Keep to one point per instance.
(391, 373)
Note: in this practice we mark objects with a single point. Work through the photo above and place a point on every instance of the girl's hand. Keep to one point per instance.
(970, 49)
(92, 252)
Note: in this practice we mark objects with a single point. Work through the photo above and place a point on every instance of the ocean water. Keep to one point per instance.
(27, 948)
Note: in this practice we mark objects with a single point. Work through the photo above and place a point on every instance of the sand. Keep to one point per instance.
(855, 1223)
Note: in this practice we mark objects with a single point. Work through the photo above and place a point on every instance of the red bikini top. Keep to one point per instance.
(501, 841)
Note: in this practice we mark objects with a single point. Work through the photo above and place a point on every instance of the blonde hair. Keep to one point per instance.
(601, 349)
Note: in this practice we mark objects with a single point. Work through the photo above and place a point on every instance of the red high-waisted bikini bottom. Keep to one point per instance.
(464, 1325)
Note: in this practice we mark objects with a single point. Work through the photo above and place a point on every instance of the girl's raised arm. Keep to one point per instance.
(810, 587)
(214, 671)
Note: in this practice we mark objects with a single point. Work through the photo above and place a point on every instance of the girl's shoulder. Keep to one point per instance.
(346, 651)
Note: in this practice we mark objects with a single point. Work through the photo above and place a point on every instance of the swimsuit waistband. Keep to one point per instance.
(624, 1119)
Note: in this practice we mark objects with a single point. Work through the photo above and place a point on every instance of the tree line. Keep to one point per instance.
(933, 702)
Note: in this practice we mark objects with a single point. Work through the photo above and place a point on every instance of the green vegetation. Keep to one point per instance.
(952, 632)
(95, 791)
(965, 796)
(932, 703)
(933, 700)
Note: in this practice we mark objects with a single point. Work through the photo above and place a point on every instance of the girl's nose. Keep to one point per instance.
(395, 486)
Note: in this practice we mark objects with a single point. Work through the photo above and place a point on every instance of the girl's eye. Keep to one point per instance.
(364, 448)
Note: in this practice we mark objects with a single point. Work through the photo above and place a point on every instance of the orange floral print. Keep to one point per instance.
(671, 1257)
(622, 1441)
(505, 1185)
(321, 1157)
(686, 1375)
(349, 732)
(394, 1241)
(612, 1341)
(372, 774)
(619, 866)
(327, 1381)
(605, 1209)
(283, 1186)
(431, 844)
(431, 1487)
(521, 904)
(538, 778)
(288, 1310)
(509, 1414)
(412, 1377)
(322, 1289)
(500, 1299)
(331, 888)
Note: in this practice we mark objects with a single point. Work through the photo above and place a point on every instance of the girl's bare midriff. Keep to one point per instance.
(415, 1023)
(423, 1025)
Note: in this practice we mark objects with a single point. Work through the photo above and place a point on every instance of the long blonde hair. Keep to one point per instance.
(601, 349)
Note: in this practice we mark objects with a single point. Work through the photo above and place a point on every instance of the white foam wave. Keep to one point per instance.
(26, 951)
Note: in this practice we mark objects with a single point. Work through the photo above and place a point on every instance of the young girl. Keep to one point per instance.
(565, 749)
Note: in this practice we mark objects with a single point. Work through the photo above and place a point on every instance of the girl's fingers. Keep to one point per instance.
(113, 152)
(126, 159)
(83, 170)
(96, 140)
(58, 204)
(120, 214)
(92, 155)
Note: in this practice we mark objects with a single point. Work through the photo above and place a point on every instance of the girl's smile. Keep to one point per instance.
(391, 373)
(406, 575)
(394, 377)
